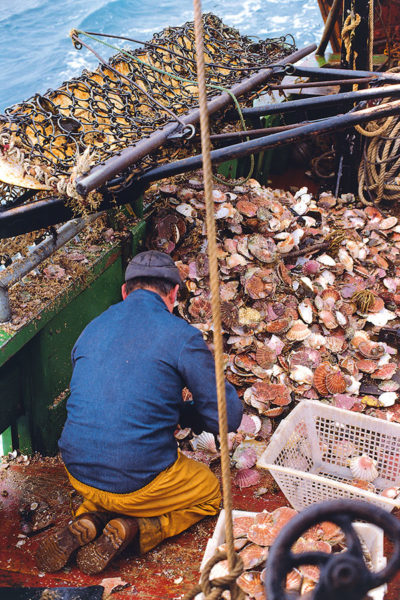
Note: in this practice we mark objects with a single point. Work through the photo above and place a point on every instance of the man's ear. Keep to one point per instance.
(175, 290)
(124, 293)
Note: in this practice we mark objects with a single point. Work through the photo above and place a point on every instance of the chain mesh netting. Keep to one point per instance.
(90, 118)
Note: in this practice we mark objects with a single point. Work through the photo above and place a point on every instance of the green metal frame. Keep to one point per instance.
(35, 365)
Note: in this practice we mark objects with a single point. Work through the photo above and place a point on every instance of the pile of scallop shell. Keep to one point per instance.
(255, 533)
(309, 292)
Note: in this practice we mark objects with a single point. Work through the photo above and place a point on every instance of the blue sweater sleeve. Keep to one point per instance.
(196, 366)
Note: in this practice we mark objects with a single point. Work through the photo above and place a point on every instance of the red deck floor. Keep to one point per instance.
(167, 572)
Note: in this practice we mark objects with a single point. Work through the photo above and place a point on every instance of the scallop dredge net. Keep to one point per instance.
(102, 112)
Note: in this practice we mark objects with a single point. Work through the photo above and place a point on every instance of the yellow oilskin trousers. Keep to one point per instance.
(178, 497)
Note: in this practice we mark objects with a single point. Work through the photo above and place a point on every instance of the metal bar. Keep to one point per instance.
(253, 132)
(329, 26)
(116, 164)
(19, 269)
(322, 102)
(323, 73)
(272, 141)
(308, 84)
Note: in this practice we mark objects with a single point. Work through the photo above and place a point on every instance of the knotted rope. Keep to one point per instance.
(349, 26)
(212, 589)
(235, 564)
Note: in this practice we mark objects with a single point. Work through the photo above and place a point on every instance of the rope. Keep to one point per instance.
(212, 589)
(235, 564)
(380, 165)
(371, 35)
(349, 26)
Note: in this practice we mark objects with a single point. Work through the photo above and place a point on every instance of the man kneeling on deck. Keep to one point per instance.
(130, 366)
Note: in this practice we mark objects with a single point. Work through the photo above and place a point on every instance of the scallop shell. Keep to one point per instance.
(330, 296)
(262, 248)
(256, 288)
(363, 467)
(238, 544)
(265, 357)
(388, 399)
(298, 332)
(287, 244)
(251, 583)
(301, 374)
(229, 314)
(389, 386)
(241, 526)
(328, 319)
(335, 343)
(370, 349)
(346, 260)
(250, 425)
(253, 555)
(311, 545)
(388, 223)
(204, 442)
(246, 208)
(220, 569)
(367, 365)
(246, 478)
(306, 311)
(335, 382)
(279, 325)
(381, 318)
(267, 526)
(200, 308)
(311, 267)
(377, 306)
(244, 457)
(391, 492)
(385, 372)
(319, 381)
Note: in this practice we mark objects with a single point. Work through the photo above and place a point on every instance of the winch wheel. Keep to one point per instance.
(344, 575)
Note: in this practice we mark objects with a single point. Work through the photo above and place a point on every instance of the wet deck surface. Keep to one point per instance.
(167, 572)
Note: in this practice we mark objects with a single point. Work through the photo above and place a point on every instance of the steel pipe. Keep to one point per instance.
(324, 73)
(116, 164)
(329, 26)
(20, 268)
(322, 102)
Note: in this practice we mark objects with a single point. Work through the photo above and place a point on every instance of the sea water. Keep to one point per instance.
(37, 52)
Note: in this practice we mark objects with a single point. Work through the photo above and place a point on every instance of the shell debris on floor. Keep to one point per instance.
(308, 285)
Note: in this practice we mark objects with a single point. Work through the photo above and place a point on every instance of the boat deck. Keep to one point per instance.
(167, 572)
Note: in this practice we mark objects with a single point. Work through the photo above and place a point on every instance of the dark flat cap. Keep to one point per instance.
(153, 264)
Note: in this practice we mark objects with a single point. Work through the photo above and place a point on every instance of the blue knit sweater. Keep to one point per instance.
(130, 366)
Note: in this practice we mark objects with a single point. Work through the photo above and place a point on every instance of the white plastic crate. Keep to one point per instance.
(303, 455)
(372, 537)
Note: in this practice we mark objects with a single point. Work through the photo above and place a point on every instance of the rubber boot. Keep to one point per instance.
(55, 550)
(116, 536)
